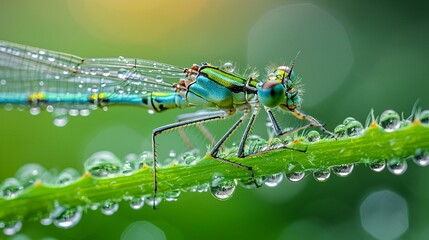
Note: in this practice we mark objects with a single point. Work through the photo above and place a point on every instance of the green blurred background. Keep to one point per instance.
(354, 56)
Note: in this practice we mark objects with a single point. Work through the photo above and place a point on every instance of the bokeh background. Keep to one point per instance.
(353, 56)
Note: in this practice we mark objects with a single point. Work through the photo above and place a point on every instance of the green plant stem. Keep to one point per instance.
(375, 144)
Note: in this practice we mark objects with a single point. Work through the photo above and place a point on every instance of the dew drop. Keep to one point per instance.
(84, 112)
(153, 202)
(50, 108)
(10, 188)
(348, 120)
(295, 176)
(93, 71)
(131, 164)
(377, 166)
(8, 107)
(109, 207)
(274, 180)
(343, 170)
(105, 72)
(51, 58)
(229, 67)
(46, 221)
(340, 131)
(35, 111)
(421, 158)
(122, 73)
(172, 196)
(424, 117)
(172, 154)
(67, 176)
(30, 173)
(150, 111)
(354, 128)
(73, 112)
(397, 167)
(103, 164)
(61, 121)
(390, 120)
(313, 136)
(188, 158)
(321, 175)
(12, 227)
(250, 183)
(136, 203)
(222, 189)
(159, 79)
(66, 217)
(2, 82)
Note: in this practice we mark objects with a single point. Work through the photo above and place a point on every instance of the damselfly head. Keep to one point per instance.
(284, 74)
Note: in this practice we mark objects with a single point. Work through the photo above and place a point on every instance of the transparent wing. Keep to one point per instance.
(26, 70)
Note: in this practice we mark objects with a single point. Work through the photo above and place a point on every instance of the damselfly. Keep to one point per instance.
(59, 81)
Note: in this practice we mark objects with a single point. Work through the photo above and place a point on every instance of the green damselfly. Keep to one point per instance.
(62, 82)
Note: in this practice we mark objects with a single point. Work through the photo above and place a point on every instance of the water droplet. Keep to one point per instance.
(295, 176)
(105, 108)
(229, 67)
(172, 196)
(46, 221)
(153, 202)
(250, 183)
(50, 108)
(343, 170)
(348, 120)
(136, 203)
(67, 176)
(397, 167)
(172, 154)
(34, 111)
(390, 120)
(354, 128)
(424, 117)
(103, 164)
(340, 130)
(322, 175)
(222, 189)
(109, 207)
(66, 217)
(150, 111)
(313, 136)
(188, 158)
(93, 71)
(84, 112)
(203, 187)
(122, 73)
(158, 79)
(30, 173)
(51, 58)
(377, 166)
(10, 188)
(73, 112)
(61, 121)
(146, 158)
(273, 180)
(131, 164)
(105, 72)
(421, 158)
(2, 82)
(12, 227)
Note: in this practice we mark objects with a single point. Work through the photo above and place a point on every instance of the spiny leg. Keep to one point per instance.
(157, 131)
(240, 152)
(215, 149)
(300, 115)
